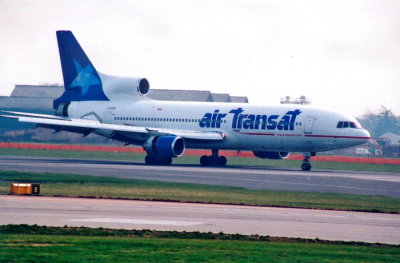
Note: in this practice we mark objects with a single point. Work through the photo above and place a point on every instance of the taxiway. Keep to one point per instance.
(328, 181)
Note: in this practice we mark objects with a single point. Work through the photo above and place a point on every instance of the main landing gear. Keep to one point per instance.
(213, 160)
(306, 165)
(157, 160)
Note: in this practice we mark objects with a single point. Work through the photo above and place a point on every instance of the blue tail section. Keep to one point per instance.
(81, 80)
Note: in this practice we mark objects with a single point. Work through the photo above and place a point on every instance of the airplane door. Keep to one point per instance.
(108, 116)
(308, 125)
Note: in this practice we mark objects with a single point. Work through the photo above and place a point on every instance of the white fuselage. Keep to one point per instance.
(245, 126)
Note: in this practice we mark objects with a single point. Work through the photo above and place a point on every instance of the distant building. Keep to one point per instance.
(390, 144)
(180, 95)
(239, 99)
(300, 100)
(219, 97)
(390, 138)
(29, 97)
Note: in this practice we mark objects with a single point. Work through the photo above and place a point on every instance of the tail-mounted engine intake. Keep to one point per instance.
(165, 146)
(272, 155)
(122, 88)
(143, 86)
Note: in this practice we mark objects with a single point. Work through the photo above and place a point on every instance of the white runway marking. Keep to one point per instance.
(137, 221)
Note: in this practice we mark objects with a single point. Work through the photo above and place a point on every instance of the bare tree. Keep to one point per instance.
(380, 122)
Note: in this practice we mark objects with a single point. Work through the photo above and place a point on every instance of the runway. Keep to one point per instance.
(286, 222)
(328, 181)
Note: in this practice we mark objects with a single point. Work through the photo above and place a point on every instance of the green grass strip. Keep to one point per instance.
(187, 159)
(50, 244)
(110, 187)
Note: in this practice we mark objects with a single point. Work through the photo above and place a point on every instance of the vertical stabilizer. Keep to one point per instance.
(81, 80)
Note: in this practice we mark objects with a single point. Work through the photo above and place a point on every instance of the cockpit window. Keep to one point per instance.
(348, 124)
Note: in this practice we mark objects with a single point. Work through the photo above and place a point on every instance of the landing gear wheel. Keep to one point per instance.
(222, 160)
(306, 166)
(150, 159)
(213, 160)
(204, 160)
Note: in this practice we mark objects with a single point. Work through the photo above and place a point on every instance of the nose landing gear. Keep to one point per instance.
(306, 165)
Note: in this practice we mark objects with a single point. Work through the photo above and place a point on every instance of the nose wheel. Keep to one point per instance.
(306, 165)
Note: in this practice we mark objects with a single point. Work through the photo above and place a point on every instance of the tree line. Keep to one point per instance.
(380, 121)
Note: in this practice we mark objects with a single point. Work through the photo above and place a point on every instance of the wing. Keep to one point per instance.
(126, 133)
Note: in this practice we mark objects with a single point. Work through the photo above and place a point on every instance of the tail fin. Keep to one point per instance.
(81, 80)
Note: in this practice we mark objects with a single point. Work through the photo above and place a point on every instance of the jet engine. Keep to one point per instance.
(271, 155)
(143, 86)
(122, 88)
(165, 146)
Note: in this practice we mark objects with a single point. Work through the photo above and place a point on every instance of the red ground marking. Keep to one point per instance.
(248, 154)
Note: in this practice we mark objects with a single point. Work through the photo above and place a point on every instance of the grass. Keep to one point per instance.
(93, 186)
(51, 244)
(188, 159)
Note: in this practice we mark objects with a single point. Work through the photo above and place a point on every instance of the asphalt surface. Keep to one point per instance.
(286, 222)
(328, 181)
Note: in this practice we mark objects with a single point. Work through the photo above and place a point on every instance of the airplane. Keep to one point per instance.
(117, 108)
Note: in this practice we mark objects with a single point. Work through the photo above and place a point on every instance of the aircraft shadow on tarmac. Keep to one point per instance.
(134, 163)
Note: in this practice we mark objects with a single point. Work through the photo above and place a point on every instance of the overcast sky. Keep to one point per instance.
(342, 54)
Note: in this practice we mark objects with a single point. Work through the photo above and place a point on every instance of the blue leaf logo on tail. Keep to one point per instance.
(85, 78)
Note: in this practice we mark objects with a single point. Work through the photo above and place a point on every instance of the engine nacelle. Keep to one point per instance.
(123, 88)
(271, 155)
(165, 146)
(143, 86)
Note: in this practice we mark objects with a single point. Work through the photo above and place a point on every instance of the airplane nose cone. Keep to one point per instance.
(366, 134)
(363, 136)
